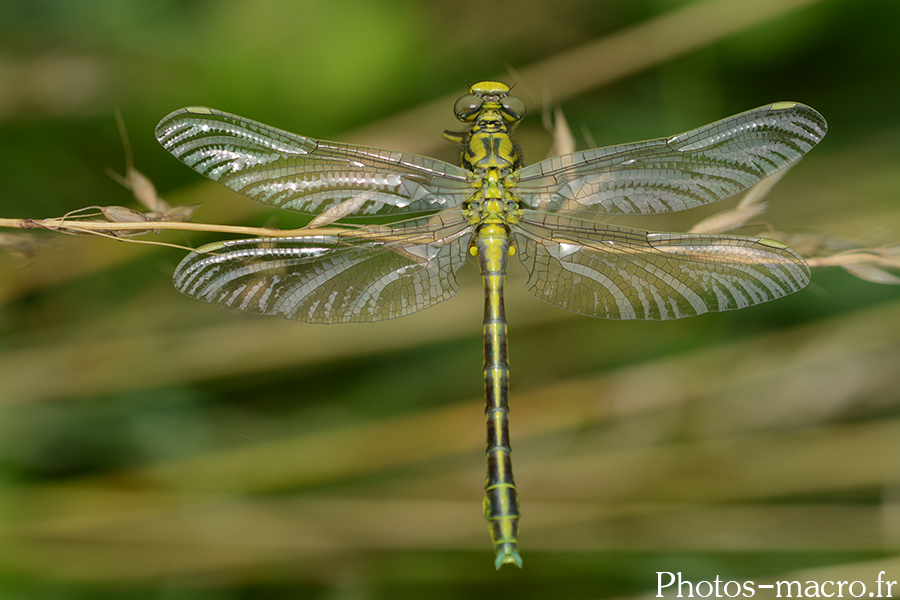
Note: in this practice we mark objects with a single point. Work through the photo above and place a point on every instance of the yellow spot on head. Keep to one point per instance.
(489, 88)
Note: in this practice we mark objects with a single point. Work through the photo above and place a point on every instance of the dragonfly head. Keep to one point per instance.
(489, 99)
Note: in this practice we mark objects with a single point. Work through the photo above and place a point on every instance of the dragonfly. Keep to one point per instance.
(488, 208)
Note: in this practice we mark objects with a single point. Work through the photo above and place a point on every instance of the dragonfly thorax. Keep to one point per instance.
(488, 149)
(492, 204)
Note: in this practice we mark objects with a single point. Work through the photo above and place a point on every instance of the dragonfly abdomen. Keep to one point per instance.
(501, 504)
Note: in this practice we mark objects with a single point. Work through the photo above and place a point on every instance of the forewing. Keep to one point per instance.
(372, 275)
(283, 169)
(678, 172)
(614, 272)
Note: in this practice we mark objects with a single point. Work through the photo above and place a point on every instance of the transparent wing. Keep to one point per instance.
(614, 272)
(370, 274)
(678, 172)
(283, 169)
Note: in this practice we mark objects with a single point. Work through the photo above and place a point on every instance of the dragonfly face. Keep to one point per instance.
(489, 95)
(491, 207)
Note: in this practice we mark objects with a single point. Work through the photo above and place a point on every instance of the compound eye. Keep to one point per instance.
(514, 107)
(467, 107)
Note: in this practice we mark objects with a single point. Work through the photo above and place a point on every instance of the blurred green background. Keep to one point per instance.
(152, 446)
